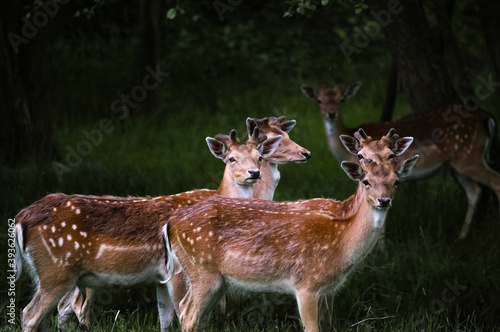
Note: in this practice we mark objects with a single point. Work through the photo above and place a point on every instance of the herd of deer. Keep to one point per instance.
(195, 245)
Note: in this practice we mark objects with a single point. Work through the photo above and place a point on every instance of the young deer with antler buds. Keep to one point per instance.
(289, 152)
(74, 241)
(305, 248)
(452, 135)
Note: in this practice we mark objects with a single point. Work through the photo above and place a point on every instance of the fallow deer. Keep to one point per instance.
(270, 246)
(289, 152)
(75, 242)
(454, 136)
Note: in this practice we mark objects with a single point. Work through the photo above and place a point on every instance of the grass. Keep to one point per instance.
(423, 281)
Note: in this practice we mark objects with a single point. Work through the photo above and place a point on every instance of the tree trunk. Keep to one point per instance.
(488, 11)
(449, 46)
(391, 93)
(421, 67)
(25, 120)
(149, 54)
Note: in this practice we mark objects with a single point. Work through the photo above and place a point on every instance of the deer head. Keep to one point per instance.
(379, 169)
(288, 151)
(331, 100)
(243, 160)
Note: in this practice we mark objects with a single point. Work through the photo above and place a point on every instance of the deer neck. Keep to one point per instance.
(229, 188)
(333, 129)
(364, 229)
(266, 186)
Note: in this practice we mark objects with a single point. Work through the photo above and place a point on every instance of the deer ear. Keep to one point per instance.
(407, 166)
(270, 145)
(351, 90)
(287, 126)
(217, 148)
(353, 170)
(351, 144)
(309, 92)
(401, 145)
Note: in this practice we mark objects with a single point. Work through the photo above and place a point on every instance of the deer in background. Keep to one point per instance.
(289, 152)
(270, 246)
(73, 242)
(453, 136)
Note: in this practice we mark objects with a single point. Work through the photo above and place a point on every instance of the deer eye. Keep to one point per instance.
(232, 160)
(392, 156)
(396, 183)
(260, 158)
(360, 156)
(365, 182)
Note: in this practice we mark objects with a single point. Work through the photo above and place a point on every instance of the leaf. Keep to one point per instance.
(358, 10)
(171, 13)
(325, 2)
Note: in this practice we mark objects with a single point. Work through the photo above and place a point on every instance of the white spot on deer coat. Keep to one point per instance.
(53, 229)
(61, 241)
(77, 211)
(84, 234)
(69, 237)
(63, 224)
(74, 226)
(77, 245)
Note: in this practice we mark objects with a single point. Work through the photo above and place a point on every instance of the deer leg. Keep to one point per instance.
(165, 307)
(41, 305)
(81, 306)
(308, 310)
(195, 308)
(65, 310)
(178, 287)
(483, 174)
(473, 191)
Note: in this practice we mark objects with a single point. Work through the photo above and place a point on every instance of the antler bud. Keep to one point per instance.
(361, 135)
(232, 139)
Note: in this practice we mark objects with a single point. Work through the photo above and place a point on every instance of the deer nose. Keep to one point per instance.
(307, 155)
(384, 202)
(332, 115)
(254, 174)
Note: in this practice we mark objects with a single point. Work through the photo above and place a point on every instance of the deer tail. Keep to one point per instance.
(172, 263)
(19, 249)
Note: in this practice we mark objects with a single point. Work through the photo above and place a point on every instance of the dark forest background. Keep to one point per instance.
(78, 114)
